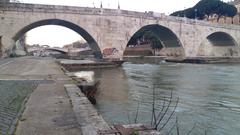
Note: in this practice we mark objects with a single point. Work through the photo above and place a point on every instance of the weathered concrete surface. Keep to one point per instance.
(76, 61)
(76, 65)
(29, 68)
(48, 110)
(112, 29)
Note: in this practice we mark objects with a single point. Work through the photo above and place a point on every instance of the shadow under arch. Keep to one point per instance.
(167, 42)
(218, 44)
(221, 39)
(57, 50)
(90, 40)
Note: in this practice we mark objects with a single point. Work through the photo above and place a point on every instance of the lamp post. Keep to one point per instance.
(195, 10)
(184, 15)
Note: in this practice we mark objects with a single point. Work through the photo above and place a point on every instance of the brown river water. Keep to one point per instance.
(209, 95)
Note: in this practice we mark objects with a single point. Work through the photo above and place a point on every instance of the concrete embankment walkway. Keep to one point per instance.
(56, 106)
(48, 110)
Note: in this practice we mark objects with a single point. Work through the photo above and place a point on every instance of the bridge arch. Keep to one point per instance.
(164, 41)
(219, 44)
(221, 39)
(91, 41)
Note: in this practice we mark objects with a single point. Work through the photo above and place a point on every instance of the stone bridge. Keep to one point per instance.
(61, 50)
(109, 31)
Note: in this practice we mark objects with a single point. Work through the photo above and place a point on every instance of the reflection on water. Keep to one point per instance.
(209, 94)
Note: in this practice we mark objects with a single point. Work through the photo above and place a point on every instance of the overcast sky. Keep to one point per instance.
(162, 6)
(55, 33)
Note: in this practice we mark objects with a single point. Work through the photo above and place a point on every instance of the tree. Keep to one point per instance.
(231, 10)
(153, 39)
(148, 36)
(209, 7)
(178, 13)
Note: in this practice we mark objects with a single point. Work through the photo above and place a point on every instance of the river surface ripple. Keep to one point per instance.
(209, 95)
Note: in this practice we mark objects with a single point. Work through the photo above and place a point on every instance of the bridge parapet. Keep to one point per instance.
(21, 7)
(201, 22)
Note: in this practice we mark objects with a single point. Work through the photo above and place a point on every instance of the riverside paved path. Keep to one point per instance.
(48, 110)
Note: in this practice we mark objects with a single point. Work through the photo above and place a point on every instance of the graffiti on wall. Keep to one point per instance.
(109, 51)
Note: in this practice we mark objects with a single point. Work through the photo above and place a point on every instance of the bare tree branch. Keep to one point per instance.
(192, 129)
(177, 126)
(159, 114)
(153, 121)
(136, 117)
(171, 114)
(166, 110)
(129, 121)
(171, 129)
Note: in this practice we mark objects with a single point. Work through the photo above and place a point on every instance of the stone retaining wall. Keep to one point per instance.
(87, 116)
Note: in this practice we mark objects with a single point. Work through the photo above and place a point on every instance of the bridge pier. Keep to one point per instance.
(6, 46)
